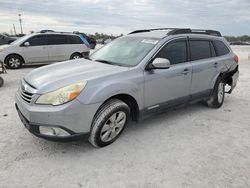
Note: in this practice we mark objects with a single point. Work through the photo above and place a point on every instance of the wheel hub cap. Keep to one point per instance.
(113, 126)
(14, 62)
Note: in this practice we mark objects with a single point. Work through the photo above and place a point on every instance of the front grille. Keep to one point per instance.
(26, 96)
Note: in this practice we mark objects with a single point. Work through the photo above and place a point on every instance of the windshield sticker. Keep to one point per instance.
(150, 41)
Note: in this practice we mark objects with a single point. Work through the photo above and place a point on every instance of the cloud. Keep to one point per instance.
(119, 16)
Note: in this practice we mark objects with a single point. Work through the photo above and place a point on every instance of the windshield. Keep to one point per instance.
(125, 51)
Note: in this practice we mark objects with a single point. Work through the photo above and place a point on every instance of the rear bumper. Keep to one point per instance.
(85, 54)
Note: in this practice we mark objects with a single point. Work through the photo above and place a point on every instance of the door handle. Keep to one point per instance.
(215, 64)
(185, 71)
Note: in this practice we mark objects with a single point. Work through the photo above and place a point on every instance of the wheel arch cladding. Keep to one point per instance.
(23, 61)
(130, 101)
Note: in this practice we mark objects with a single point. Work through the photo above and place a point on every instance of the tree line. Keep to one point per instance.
(244, 38)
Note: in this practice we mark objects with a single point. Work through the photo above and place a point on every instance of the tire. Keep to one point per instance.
(1, 82)
(14, 62)
(218, 95)
(76, 56)
(92, 46)
(109, 122)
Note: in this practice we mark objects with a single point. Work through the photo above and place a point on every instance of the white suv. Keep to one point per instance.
(43, 48)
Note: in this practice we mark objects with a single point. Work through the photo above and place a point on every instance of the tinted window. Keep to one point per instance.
(75, 40)
(57, 39)
(175, 52)
(221, 48)
(200, 50)
(213, 53)
(38, 40)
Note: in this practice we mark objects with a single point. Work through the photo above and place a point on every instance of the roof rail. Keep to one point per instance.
(148, 30)
(176, 31)
(195, 31)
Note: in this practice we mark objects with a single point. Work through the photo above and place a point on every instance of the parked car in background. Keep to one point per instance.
(240, 43)
(90, 40)
(133, 77)
(4, 39)
(43, 48)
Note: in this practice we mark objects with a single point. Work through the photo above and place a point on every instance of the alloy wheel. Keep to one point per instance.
(113, 126)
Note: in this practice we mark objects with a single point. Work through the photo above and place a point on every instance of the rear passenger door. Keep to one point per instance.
(203, 59)
(59, 49)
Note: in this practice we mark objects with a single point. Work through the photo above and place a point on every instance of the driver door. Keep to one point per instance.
(37, 51)
(169, 87)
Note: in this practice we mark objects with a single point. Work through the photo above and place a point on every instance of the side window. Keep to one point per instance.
(213, 53)
(221, 48)
(175, 52)
(57, 39)
(200, 49)
(39, 40)
(75, 40)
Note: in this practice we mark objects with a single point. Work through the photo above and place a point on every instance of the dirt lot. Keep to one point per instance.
(191, 147)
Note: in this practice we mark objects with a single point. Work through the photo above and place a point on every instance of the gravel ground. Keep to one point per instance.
(190, 147)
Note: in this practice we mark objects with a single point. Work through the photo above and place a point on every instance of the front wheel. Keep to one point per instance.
(218, 95)
(109, 122)
(14, 62)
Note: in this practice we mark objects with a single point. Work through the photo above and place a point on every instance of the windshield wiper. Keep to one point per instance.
(105, 61)
(111, 63)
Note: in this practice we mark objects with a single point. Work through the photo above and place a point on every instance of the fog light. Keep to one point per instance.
(53, 131)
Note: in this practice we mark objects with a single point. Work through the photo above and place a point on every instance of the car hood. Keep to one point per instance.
(51, 77)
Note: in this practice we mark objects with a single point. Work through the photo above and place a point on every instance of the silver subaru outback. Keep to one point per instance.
(133, 77)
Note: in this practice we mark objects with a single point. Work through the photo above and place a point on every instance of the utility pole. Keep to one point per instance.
(14, 29)
(20, 21)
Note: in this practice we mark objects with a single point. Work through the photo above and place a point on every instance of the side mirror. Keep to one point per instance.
(160, 63)
(26, 44)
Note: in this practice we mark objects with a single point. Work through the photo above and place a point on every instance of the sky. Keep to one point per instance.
(231, 17)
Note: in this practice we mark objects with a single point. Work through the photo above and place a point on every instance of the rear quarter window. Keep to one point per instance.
(221, 48)
(75, 40)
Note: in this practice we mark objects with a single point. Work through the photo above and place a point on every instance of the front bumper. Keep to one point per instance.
(74, 117)
(34, 129)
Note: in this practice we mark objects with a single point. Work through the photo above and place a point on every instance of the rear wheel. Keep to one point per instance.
(1, 81)
(14, 62)
(218, 95)
(76, 56)
(109, 122)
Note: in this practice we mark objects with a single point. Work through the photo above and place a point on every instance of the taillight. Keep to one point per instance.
(236, 58)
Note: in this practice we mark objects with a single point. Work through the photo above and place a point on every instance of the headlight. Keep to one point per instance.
(62, 95)
(1, 49)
